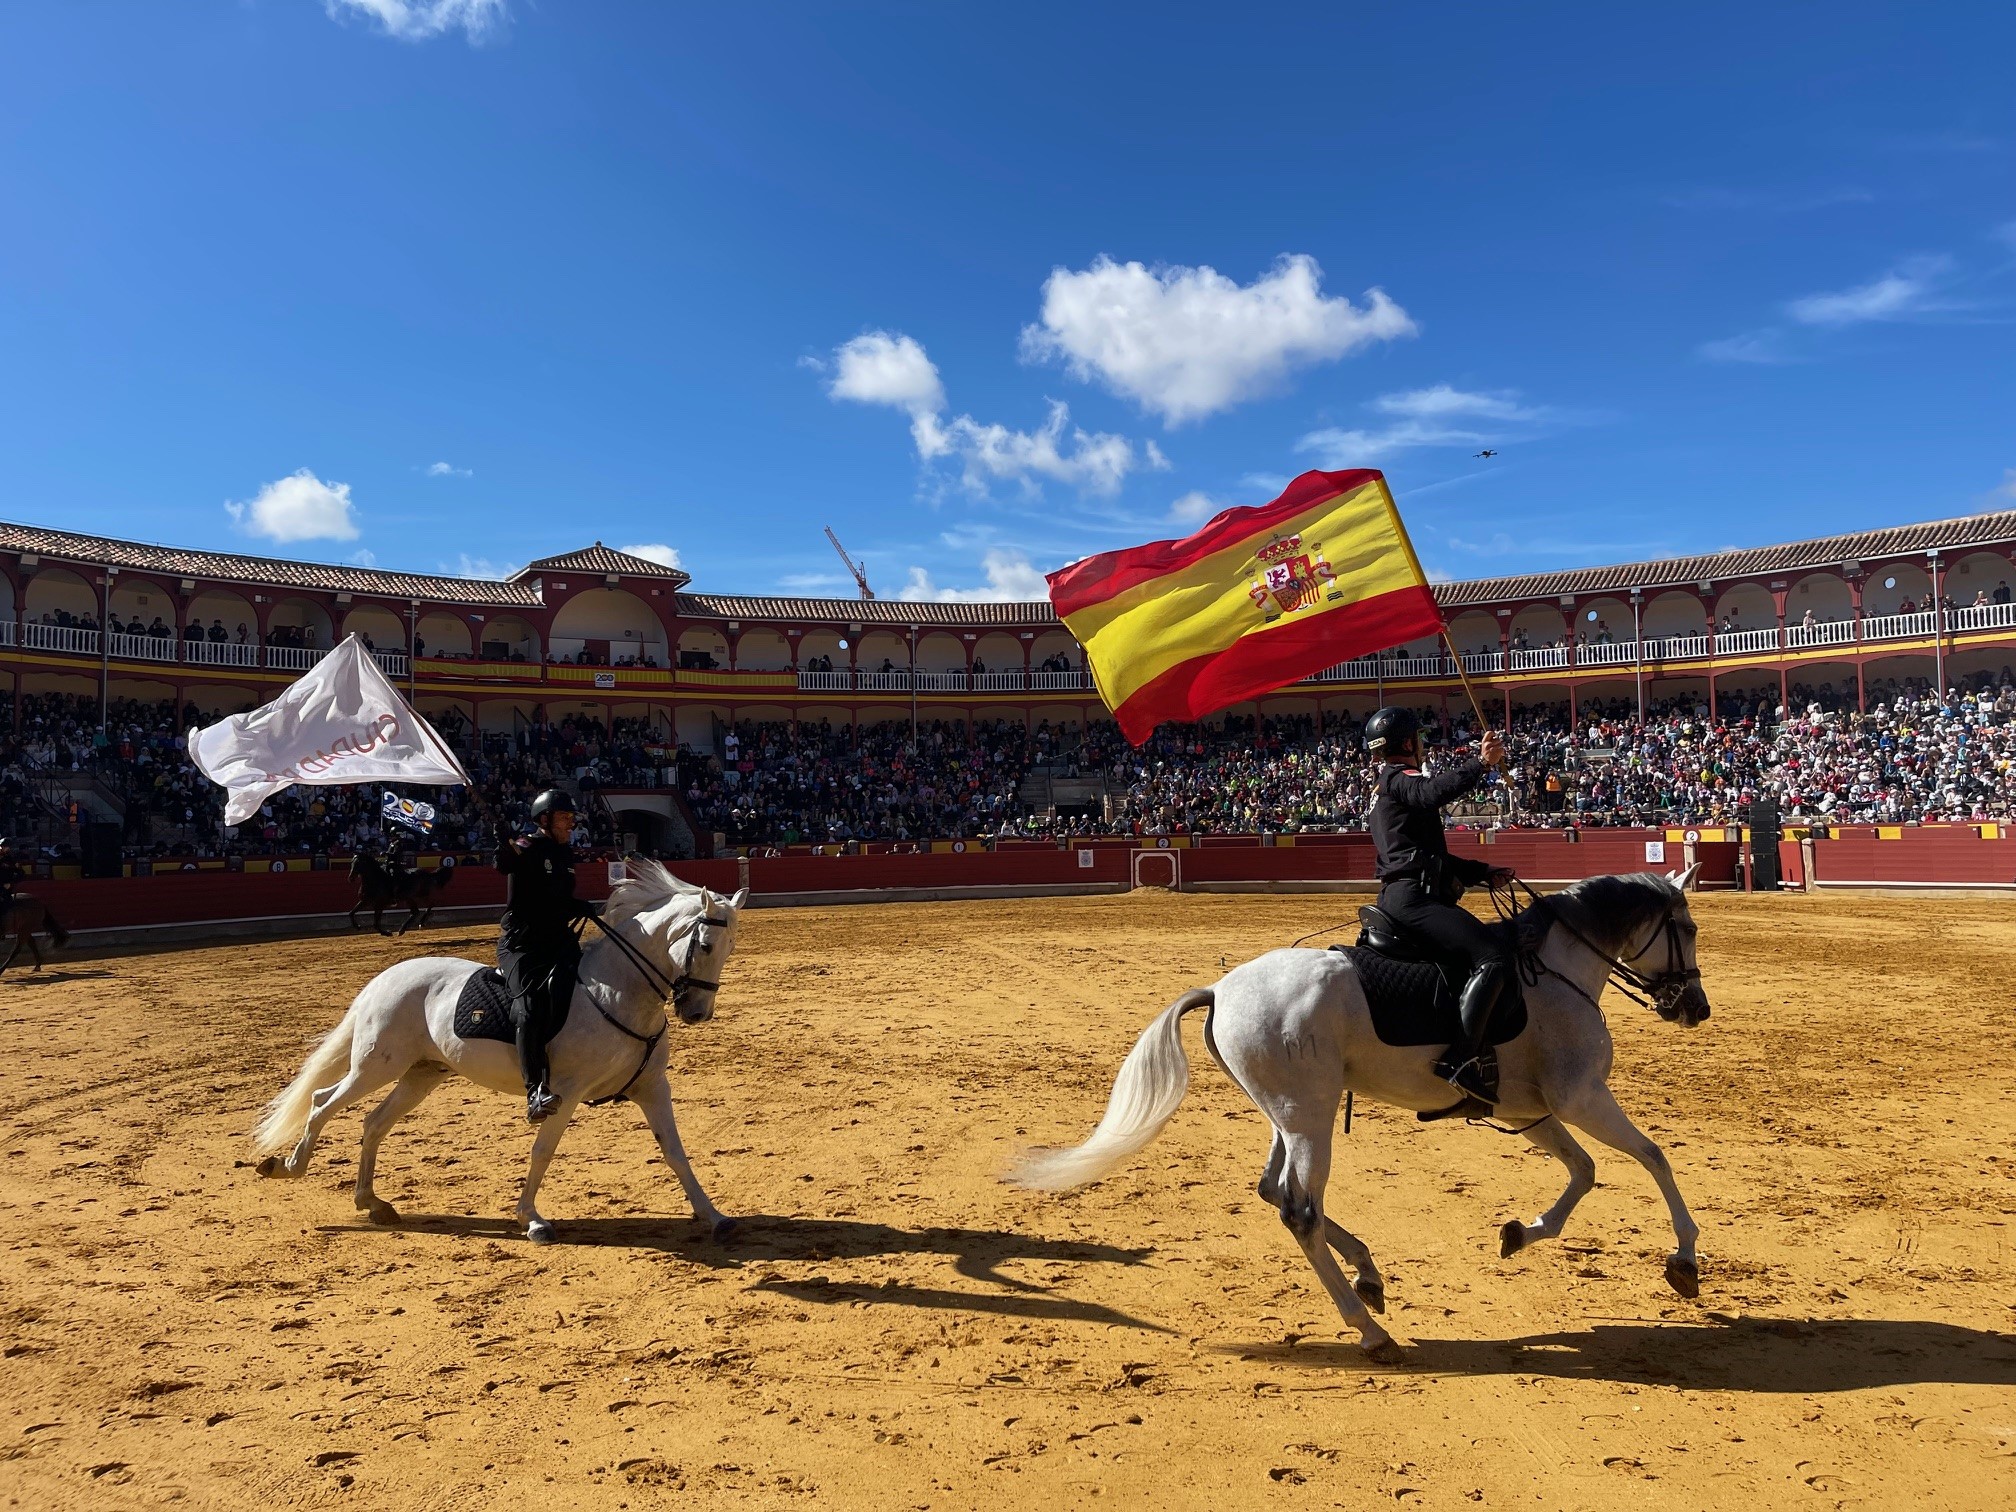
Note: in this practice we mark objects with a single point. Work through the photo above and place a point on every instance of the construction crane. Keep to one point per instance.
(860, 572)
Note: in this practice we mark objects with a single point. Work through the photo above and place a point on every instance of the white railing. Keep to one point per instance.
(941, 682)
(1350, 671)
(883, 682)
(1738, 642)
(1983, 617)
(1677, 648)
(143, 647)
(1897, 626)
(997, 682)
(293, 658)
(214, 653)
(1606, 653)
(825, 682)
(1414, 666)
(1060, 680)
(7, 632)
(59, 638)
(1484, 661)
(394, 662)
(1821, 633)
(1544, 656)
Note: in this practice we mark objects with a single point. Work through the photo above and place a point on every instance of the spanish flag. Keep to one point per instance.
(1257, 599)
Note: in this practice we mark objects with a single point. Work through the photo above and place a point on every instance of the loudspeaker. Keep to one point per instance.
(99, 843)
(1764, 835)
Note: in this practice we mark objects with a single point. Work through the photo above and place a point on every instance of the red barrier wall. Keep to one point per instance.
(1955, 856)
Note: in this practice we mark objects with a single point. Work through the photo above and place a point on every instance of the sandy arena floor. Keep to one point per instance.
(893, 1328)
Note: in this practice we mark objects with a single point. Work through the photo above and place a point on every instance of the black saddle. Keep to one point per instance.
(483, 1011)
(1411, 1002)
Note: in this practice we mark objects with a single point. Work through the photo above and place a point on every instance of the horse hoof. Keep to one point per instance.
(539, 1231)
(382, 1213)
(270, 1166)
(1386, 1352)
(1511, 1239)
(724, 1228)
(1371, 1293)
(1684, 1277)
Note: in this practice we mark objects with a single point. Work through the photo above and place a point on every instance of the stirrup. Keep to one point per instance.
(1476, 1077)
(539, 1105)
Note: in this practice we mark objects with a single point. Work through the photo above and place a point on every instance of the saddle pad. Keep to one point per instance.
(483, 1011)
(1411, 1005)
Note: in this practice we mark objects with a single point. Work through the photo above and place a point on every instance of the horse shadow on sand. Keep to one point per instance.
(53, 975)
(1726, 1353)
(760, 1242)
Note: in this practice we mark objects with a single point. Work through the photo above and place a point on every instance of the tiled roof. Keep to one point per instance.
(603, 560)
(1794, 556)
(173, 561)
(905, 612)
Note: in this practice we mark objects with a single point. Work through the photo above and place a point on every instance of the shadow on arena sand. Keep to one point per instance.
(977, 1254)
(1768, 1355)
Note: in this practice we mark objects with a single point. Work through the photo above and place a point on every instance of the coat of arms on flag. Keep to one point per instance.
(407, 813)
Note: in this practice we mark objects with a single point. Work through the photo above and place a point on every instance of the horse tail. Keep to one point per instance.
(57, 932)
(279, 1128)
(1146, 1094)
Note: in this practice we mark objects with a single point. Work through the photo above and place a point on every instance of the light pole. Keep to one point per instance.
(1938, 631)
(105, 649)
(913, 690)
(1638, 648)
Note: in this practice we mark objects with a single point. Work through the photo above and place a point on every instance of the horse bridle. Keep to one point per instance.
(1662, 990)
(672, 990)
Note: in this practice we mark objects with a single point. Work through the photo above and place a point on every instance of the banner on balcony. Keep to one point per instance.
(1259, 598)
(341, 723)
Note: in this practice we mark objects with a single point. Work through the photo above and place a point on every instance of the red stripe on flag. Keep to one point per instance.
(1100, 577)
(1258, 664)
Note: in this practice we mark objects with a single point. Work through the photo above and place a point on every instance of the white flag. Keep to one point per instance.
(342, 723)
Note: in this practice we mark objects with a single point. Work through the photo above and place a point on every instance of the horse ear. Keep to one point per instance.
(1685, 881)
(740, 900)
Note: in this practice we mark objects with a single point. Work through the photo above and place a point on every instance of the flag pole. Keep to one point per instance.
(1407, 545)
(1456, 657)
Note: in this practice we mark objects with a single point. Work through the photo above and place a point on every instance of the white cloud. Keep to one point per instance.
(1428, 417)
(883, 367)
(1187, 342)
(1264, 482)
(1908, 290)
(365, 557)
(803, 580)
(1194, 508)
(481, 567)
(449, 470)
(656, 551)
(1010, 579)
(417, 20)
(298, 507)
(2008, 488)
(890, 369)
(1765, 347)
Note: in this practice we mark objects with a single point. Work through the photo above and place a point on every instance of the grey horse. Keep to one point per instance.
(1293, 1030)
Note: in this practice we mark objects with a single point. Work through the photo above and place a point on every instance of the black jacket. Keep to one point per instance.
(1407, 825)
(539, 897)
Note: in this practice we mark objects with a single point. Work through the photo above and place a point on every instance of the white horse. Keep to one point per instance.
(1292, 1028)
(401, 1028)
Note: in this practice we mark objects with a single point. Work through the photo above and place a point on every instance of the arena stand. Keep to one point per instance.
(1862, 683)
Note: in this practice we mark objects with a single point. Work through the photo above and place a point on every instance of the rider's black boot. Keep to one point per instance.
(539, 1098)
(1470, 1065)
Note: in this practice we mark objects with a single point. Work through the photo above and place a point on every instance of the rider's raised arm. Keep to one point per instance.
(1417, 791)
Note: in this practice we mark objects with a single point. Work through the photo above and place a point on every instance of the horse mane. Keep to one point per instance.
(647, 886)
(1613, 909)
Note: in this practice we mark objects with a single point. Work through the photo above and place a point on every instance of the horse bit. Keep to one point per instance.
(1662, 989)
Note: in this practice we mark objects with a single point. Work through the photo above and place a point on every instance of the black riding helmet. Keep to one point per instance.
(552, 801)
(1389, 731)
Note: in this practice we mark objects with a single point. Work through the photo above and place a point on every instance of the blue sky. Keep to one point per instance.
(451, 284)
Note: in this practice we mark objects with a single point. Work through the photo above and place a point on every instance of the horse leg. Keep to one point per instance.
(655, 1099)
(537, 1229)
(411, 1091)
(1550, 1136)
(1365, 1278)
(34, 950)
(378, 918)
(412, 913)
(363, 1078)
(1596, 1113)
(1299, 1194)
(12, 951)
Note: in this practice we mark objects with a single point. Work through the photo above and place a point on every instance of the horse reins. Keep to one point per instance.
(1627, 979)
(672, 990)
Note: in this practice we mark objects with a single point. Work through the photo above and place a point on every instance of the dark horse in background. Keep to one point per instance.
(380, 886)
(21, 916)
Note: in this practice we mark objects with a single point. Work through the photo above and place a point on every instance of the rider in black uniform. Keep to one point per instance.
(1422, 881)
(539, 953)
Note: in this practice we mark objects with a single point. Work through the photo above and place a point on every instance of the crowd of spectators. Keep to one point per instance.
(1915, 754)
